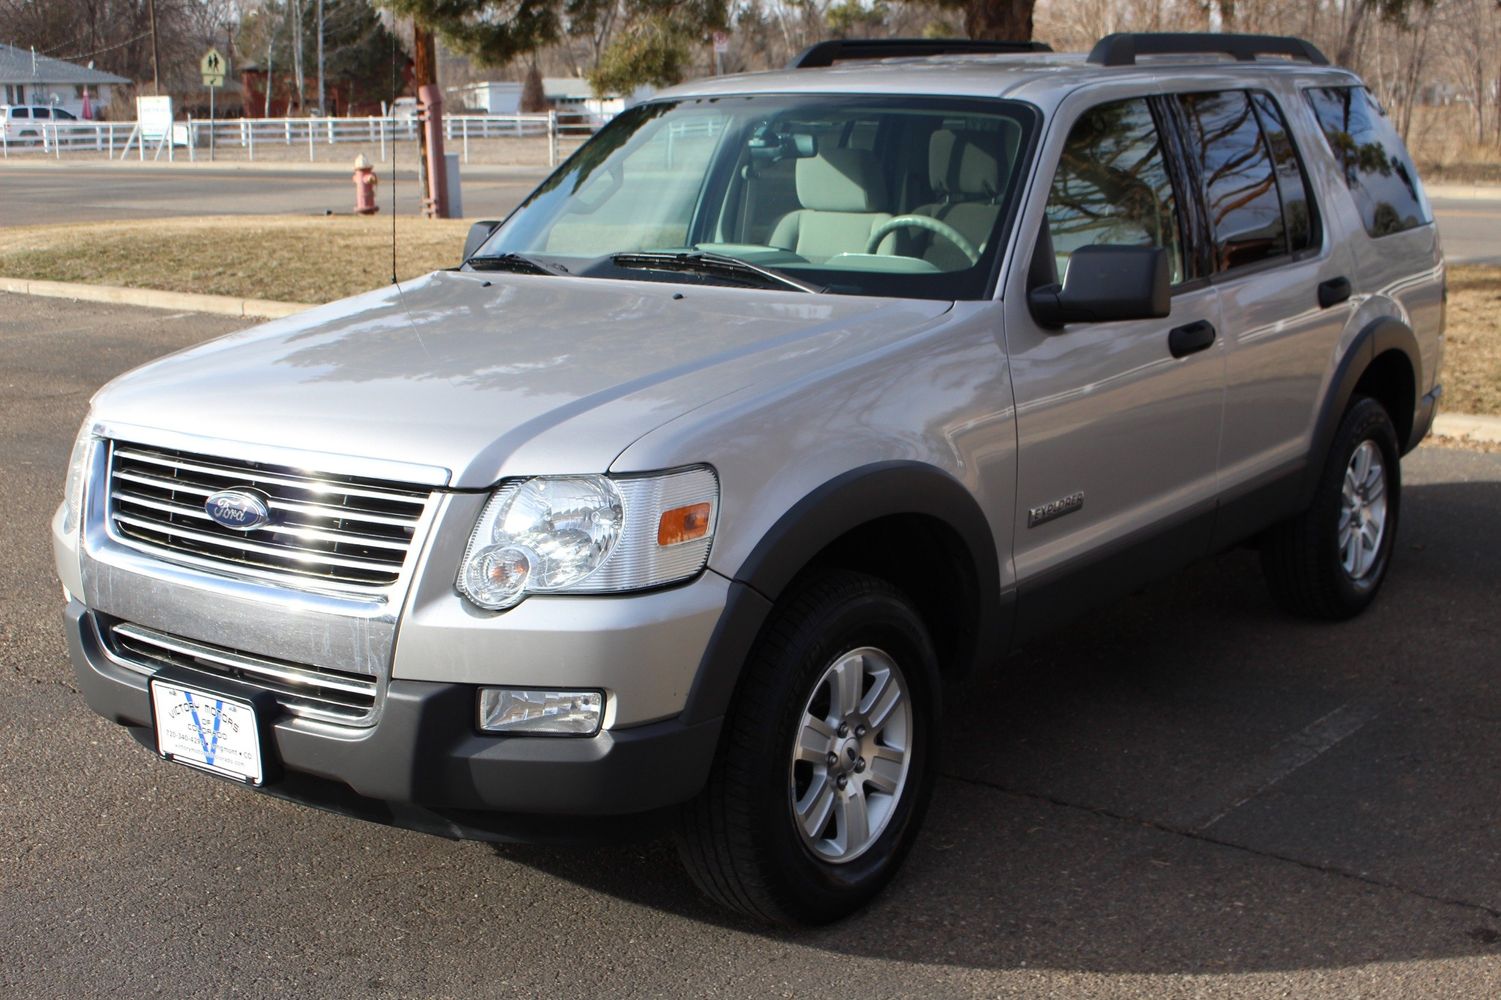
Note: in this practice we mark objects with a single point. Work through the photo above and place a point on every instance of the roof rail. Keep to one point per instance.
(827, 53)
(1122, 49)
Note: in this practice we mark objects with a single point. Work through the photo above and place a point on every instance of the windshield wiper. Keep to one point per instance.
(714, 264)
(513, 261)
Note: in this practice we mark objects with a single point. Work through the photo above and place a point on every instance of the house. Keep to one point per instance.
(574, 94)
(29, 78)
(567, 94)
(491, 97)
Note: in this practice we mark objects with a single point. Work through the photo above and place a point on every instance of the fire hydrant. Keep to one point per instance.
(364, 187)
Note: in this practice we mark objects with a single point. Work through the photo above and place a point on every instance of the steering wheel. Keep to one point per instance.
(929, 223)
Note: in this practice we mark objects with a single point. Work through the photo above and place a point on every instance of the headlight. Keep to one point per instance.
(589, 535)
(77, 473)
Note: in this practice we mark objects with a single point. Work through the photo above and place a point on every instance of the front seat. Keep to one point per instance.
(843, 200)
(964, 173)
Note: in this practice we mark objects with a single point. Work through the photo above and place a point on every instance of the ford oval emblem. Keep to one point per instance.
(239, 508)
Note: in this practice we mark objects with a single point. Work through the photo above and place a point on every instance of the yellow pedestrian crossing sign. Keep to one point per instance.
(213, 66)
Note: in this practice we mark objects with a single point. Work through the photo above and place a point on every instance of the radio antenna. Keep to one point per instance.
(391, 112)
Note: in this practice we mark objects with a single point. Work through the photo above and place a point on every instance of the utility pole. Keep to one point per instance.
(156, 65)
(424, 72)
(321, 109)
(298, 75)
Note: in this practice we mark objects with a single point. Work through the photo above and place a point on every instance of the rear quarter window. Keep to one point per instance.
(1371, 157)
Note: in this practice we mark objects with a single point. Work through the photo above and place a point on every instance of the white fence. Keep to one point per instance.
(202, 139)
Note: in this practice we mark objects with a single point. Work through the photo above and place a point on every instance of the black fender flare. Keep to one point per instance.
(852, 499)
(1375, 339)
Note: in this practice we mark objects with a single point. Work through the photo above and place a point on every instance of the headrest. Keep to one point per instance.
(963, 164)
(841, 180)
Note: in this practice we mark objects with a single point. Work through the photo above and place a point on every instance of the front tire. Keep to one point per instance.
(1330, 561)
(827, 761)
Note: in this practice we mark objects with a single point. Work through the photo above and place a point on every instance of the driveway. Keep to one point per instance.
(1186, 795)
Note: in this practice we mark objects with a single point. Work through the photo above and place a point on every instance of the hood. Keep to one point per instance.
(491, 375)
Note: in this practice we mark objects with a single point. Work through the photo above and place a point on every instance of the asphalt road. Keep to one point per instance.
(33, 195)
(36, 195)
(1470, 229)
(1186, 795)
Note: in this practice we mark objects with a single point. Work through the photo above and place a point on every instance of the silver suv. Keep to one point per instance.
(784, 402)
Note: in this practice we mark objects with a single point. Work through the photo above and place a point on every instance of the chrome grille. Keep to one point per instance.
(330, 695)
(344, 531)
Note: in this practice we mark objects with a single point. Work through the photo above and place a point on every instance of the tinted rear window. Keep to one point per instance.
(20, 112)
(1371, 157)
(1298, 209)
(1240, 186)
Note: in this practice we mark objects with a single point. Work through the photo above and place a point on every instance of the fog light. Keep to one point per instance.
(518, 710)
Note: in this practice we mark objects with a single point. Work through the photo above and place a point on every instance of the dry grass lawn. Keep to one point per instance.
(319, 259)
(286, 258)
(1472, 353)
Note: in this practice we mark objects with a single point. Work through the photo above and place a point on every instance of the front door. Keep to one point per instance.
(1117, 439)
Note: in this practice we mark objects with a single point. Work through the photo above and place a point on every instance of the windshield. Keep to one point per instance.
(895, 196)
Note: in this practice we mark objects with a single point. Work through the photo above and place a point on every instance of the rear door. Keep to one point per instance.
(1117, 439)
(1269, 259)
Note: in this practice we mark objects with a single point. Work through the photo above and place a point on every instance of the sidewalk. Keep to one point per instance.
(1464, 192)
(222, 305)
(1465, 427)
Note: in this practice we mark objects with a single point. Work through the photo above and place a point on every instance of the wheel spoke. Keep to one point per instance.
(814, 739)
(884, 697)
(1375, 484)
(1349, 551)
(885, 773)
(852, 822)
(815, 807)
(847, 682)
(1361, 463)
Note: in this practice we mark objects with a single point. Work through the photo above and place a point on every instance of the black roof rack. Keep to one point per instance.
(830, 52)
(1123, 48)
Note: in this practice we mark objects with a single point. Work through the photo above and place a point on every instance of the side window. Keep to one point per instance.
(1235, 169)
(1112, 186)
(1299, 211)
(62, 115)
(1371, 157)
(20, 112)
(42, 113)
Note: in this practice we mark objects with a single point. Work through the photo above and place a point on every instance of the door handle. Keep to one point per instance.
(1189, 339)
(1333, 292)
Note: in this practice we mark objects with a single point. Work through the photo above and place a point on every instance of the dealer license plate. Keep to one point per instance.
(207, 731)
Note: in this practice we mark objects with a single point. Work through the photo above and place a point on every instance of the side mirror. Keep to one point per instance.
(1106, 282)
(478, 234)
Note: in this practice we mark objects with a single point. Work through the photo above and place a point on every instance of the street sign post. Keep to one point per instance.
(212, 65)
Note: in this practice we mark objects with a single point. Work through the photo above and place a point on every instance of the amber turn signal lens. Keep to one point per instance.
(683, 524)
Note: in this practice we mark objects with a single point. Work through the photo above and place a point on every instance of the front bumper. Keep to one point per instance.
(423, 764)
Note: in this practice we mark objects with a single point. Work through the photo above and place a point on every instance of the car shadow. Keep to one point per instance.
(1160, 787)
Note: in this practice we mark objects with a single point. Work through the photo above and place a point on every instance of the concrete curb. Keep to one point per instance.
(1465, 427)
(222, 305)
